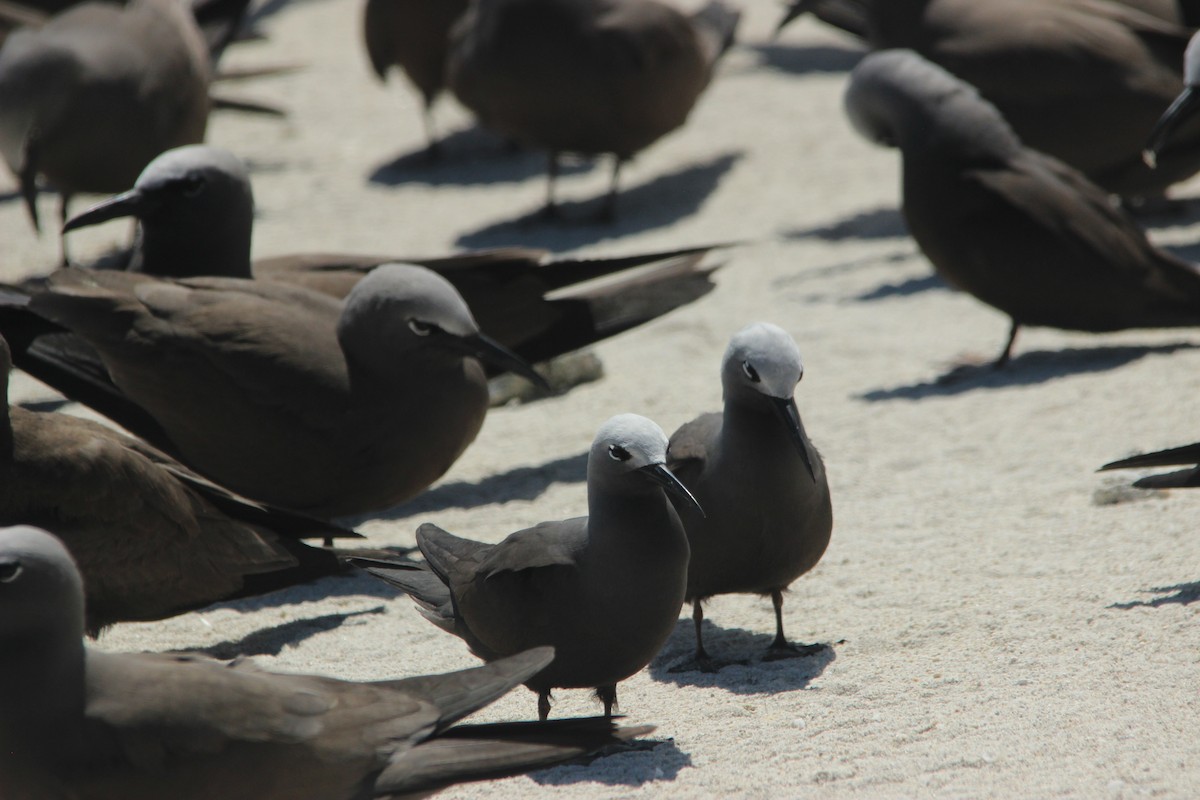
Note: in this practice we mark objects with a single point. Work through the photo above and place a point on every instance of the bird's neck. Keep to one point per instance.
(214, 250)
(41, 693)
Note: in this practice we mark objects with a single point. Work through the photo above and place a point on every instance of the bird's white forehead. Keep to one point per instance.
(766, 346)
(633, 432)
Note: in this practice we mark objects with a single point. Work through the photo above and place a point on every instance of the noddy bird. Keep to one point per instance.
(604, 590)
(80, 722)
(852, 16)
(1020, 230)
(152, 538)
(768, 515)
(88, 99)
(585, 76)
(195, 207)
(1081, 80)
(288, 396)
(413, 35)
(1175, 456)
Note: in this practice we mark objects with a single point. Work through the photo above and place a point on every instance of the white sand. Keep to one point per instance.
(1004, 635)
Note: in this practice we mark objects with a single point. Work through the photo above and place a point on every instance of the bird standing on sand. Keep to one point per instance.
(1018, 229)
(604, 590)
(88, 99)
(414, 36)
(152, 538)
(762, 484)
(288, 396)
(585, 76)
(80, 722)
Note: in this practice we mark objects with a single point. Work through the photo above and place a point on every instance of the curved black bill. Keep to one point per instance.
(488, 349)
(794, 10)
(1183, 107)
(666, 479)
(127, 204)
(786, 408)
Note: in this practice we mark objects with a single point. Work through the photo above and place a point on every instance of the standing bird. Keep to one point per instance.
(289, 396)
(585, 76)
(604, 590)
(152, 538)
(1080, 80)
(414, 36)
(88, 99)
(768, 516)
(84, 723)
(1175, 456)
(1021, 231)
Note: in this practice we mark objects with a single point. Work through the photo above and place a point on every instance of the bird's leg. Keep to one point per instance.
(608, 211)
(608, 696)
(701, 661)
(550, 210)
(433, 147)
(543, 705)
(27, 176)
(781, 648)
(1000, 362)
(64, 204)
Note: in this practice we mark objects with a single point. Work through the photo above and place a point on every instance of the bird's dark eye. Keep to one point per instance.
(751, 372)
(618, 453)
(9, 571)
(421, 328)
(192, 185)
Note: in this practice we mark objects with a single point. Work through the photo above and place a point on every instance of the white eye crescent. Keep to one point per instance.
(751, 372)
(421, 328)
(618, 453)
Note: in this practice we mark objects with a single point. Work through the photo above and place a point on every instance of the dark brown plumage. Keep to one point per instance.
(82, 723)
(152, 538)
(87, 100)
(604, 590)
(414, 36)
(585, 76)
(1019, 230)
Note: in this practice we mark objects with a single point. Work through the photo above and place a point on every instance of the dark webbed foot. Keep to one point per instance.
(778, 651)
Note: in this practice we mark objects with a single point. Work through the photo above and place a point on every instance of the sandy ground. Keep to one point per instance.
(997, 629)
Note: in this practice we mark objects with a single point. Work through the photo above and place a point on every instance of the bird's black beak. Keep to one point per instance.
(488, 349)
(129, 204)
(1183, 107)
(785, 407)
(666, 479)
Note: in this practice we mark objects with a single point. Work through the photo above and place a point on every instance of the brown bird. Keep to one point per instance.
(152, 538)
(768, 515)
(89, 98)
(1020, 230)
(83, 723)
(1081, 80)
(585, 76)
(414, 36)
(1175, 456)
(604, 590)
(289, 396)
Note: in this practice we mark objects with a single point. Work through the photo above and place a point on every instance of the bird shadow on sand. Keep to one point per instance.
(878, 223)
(522, 483)
(271, 641)
(904, 288)
(642, 761)
(807, 59)
(1180, 594)
(657, 203)
(471, 157)
(743, 670)
(1027, 369)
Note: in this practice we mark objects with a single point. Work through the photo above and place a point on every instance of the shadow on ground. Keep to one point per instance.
(805, 60)
(471, 157)
(645, 761)
(1026, 369)
(271, 641)
(878, 223)
(1180, 594)
(522, 483)
(744, 671)
(658, 203)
